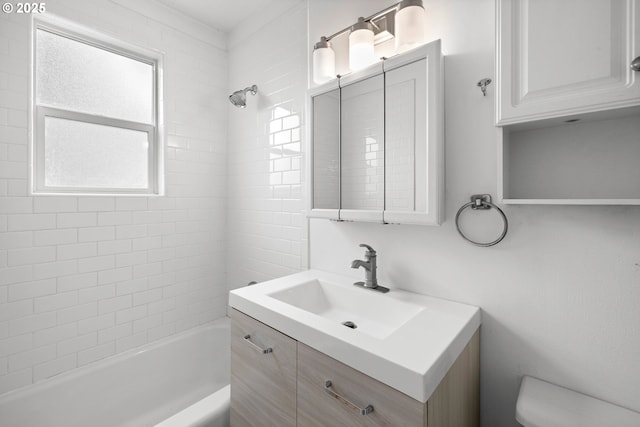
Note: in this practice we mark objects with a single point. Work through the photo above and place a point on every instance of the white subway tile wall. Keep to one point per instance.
(84, 278)
(267, 222)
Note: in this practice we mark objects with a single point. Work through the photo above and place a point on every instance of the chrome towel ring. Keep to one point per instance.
(482, 201)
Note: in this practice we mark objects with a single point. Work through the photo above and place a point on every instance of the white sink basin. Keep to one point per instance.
(369, 312)
(403, 339)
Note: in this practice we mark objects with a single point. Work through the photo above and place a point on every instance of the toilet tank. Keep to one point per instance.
(542, 404)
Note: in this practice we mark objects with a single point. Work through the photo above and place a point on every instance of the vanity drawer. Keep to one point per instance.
(263, 374)
(350, 392)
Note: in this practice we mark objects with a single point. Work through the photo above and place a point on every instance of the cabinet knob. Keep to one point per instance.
(635, 64)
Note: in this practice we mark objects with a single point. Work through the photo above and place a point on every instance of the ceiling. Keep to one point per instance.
(224, 15)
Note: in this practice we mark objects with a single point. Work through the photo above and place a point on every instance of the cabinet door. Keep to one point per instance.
(263, 381)
(559, 58)
(349, 392)
(405, 138)
(325, 153)
(414, 147)
(362, 149)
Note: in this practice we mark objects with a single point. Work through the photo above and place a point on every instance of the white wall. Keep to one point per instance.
(83, 278)
(560, 295)
(267, 230)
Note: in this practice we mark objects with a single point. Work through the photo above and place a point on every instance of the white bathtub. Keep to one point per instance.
(179, 381)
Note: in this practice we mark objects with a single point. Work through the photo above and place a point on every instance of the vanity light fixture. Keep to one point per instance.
(324, 61)
(409, 23)
(404, 20)
(361, 49)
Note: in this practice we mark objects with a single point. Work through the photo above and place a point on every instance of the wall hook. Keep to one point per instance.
(482, 84)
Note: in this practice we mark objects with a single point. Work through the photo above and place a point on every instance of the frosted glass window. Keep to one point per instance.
(87, 155)
(67, 71)
(97, 114)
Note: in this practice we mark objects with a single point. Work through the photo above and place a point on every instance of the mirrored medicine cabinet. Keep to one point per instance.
(376, 139)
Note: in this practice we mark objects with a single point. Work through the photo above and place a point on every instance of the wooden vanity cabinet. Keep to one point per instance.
(351, 398)
(263, 374)
(318, 405)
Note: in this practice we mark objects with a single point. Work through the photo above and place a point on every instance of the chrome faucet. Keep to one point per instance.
(371, 279)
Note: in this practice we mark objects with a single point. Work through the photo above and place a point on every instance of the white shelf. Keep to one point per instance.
(571, 201)
(593, 161)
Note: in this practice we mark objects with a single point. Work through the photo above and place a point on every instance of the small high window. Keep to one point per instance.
(97, 116)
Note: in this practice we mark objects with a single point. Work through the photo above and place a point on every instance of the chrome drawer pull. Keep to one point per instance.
(365, 411)
(247, 339)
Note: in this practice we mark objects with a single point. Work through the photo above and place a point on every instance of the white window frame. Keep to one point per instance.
(38, 113)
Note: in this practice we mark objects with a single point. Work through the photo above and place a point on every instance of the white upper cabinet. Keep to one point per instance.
(568, 101)
(377, 141)
(559, 58)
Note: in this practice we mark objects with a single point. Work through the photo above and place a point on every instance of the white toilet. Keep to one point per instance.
(542, 404)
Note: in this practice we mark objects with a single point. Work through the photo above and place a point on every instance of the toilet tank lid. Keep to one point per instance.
(542, 404)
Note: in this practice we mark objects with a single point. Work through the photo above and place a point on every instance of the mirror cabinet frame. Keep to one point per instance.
(427, 122)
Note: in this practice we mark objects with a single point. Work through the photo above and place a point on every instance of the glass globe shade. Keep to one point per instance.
(409, 26)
